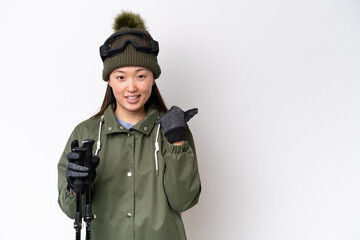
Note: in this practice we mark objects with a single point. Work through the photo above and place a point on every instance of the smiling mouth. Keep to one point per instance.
(133, 97)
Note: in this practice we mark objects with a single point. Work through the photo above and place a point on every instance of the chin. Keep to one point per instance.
(135, 109)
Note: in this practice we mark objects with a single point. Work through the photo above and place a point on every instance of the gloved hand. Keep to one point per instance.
(174, 123)
(77, 174)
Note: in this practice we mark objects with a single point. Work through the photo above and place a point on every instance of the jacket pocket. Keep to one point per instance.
(178, 229)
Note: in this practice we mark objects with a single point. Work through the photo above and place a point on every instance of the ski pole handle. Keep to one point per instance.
(77, 156)
(87, 146)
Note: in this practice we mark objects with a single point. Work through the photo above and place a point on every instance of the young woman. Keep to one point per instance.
(147, 174)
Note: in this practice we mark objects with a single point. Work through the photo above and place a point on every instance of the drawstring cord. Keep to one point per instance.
(156, 150)
(98, 143)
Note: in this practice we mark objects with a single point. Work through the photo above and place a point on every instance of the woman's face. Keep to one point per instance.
(132, 88)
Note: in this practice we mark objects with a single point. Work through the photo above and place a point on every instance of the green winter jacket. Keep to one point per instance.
(130, 200)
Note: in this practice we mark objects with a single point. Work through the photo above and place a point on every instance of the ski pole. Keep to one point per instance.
(76, 156)
(89, 161)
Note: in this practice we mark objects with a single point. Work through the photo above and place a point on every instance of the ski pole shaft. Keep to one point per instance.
(78, 217)
(88, 214)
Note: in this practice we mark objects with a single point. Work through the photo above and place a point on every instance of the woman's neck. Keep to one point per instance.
(130, 117)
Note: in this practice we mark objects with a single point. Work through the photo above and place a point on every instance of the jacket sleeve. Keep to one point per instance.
(66, 200)
(181, 178)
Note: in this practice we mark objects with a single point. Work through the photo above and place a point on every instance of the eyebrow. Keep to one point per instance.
(140, 69)
(137, 70)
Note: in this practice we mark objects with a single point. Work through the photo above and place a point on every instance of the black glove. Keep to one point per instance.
(77, 174)
(174, 123)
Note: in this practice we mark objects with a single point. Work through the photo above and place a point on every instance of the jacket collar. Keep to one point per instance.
(144, 126)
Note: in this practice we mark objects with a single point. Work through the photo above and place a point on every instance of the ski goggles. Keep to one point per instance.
(117, 42)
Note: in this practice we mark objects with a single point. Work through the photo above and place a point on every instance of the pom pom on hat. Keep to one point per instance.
(129, 19)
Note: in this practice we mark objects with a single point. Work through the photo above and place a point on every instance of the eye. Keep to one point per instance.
(141, 76)
(120, 77)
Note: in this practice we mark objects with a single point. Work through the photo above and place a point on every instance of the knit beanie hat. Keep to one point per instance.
(130, 56)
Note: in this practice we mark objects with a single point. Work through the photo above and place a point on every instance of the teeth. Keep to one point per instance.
(132, 98)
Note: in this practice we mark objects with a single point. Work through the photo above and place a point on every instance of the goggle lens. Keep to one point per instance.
(117, 43)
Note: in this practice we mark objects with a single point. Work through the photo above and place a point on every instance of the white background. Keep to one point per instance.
(277, 87)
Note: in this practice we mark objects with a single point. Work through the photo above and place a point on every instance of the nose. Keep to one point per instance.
(132, 85)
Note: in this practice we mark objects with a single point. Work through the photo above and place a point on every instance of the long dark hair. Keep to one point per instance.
(155, 100)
